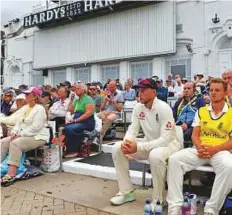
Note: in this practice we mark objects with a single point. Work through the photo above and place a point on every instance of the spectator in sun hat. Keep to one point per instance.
(19, 101)
(66, 84)
(7, 122)
(184, 80)
(23, 87)
(30, 132)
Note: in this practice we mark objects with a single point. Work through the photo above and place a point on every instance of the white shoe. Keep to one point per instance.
(121, 199)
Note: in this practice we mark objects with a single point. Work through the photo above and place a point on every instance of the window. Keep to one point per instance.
(109, 72)
(37, 78)
(227, 44)
(141, 70)
(82, 74)
(58, 76)
(179, 28)
(181, 67)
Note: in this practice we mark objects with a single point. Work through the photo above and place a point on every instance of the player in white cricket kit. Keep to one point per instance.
(156, 120)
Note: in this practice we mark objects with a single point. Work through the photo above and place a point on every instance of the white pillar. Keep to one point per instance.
(124, 71)
(95, 72)
(27, 73)
(159, 67)
(70, 75)
(48, 80)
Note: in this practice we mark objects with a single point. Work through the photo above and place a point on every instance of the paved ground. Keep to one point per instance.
(68, 194)
(45, 193)
(21, 202)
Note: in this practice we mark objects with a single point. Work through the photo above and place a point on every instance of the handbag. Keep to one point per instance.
(52, 158)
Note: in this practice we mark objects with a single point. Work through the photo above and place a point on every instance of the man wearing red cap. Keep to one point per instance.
(156, 120)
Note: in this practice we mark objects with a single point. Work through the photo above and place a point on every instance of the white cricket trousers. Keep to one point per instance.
(157, 159)
(187, 160)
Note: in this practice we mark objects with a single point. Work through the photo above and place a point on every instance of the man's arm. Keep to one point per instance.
(134, 128)
(196, 137)
(103, 103)
(119, 103)
(226, 146)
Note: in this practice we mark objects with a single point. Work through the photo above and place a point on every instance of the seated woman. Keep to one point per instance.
(83, 119)
(29, 133)
(58, 110)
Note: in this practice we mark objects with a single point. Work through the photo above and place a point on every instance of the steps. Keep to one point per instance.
(103, 171)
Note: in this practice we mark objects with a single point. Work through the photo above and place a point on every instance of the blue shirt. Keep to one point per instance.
(5, 108)
(129, 95)
(162, 93)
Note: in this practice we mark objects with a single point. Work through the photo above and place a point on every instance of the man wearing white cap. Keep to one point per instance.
(8, 122)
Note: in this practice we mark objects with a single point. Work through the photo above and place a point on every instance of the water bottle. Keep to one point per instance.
(186, 207)
(193, 204)
(158, 208)
(186, 194)
(147, 208)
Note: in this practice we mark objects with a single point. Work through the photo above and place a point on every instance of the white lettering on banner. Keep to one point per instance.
(49, 15)
(73, 9)
(110, 2)
(35, 20)
(27, 21)
(62, 12)
(88, 6)
(42, 17)
(98, 4)
(56, 11)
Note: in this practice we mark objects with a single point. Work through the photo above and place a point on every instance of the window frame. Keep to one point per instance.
(150, 73)
(179, 62)
(81, 69)
(58, 71)
(33, 76)
(103, 77)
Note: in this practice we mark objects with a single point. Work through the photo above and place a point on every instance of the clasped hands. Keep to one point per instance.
(129, 147)
(206, 151)
(14, 136)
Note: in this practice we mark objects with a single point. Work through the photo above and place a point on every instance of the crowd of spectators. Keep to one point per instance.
(26, 110)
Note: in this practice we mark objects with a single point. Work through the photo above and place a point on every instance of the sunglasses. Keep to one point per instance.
(92, 88)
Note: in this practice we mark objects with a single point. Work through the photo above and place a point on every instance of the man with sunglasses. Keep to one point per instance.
(7, 102)
(156, 120)
(97, 98)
